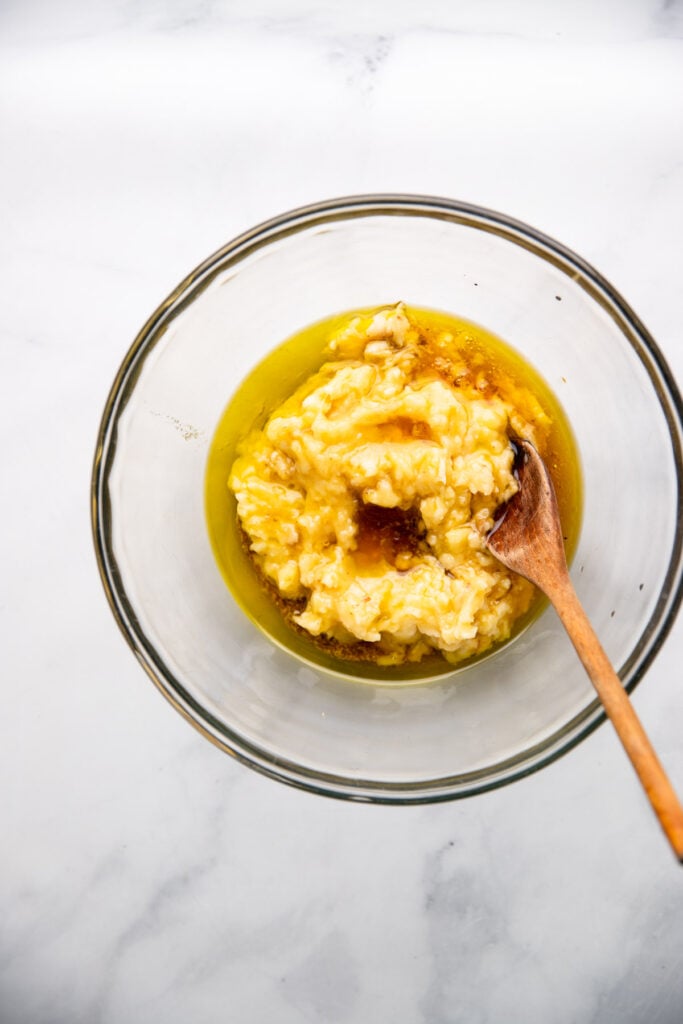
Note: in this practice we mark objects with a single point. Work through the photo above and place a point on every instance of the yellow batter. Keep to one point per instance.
(366, 496)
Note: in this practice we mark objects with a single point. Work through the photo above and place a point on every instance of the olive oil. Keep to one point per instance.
(460, 352)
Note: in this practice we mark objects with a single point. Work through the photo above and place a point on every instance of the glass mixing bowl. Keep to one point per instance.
(481, 725)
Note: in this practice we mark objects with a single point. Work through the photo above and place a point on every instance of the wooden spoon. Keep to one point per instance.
(527, 538)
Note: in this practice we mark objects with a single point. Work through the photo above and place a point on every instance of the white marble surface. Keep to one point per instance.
(145, 876)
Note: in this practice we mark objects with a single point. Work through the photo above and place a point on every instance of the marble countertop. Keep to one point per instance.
(145, 876)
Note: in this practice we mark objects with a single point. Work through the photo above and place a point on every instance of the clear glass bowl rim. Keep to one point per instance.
(325, 212)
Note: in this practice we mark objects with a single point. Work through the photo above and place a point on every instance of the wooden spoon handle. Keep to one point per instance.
(615, 700)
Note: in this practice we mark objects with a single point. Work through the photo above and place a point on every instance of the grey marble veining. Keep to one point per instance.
(144, 875)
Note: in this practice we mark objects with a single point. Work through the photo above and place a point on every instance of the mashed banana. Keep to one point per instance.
(366, 497)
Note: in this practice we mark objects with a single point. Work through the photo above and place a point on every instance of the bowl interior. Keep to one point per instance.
(474, 727)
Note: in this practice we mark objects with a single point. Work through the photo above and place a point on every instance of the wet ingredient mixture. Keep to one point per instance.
(364, 498)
